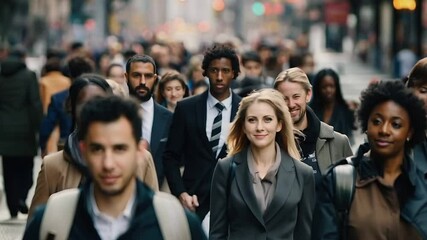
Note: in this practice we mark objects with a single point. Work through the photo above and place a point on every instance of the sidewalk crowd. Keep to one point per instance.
(244, 141)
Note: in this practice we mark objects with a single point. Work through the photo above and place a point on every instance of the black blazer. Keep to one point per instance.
(159, 136)
(188, 141)
(288, 216)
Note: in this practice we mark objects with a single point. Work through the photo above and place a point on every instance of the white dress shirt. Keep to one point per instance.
(147, 119)
(212, 112)
(108, 227)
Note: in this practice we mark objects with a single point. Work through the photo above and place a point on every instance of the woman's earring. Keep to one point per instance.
(408, 139)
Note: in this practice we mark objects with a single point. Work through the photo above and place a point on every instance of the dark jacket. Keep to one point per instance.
(20, 109)
(342, 119)
(159, 136)
(288, 216)
(420, 156)
(187, 140)
(144, 224)
(413, 208)
(56, 114)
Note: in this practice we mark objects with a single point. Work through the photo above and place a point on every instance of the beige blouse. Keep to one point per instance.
(264, 187)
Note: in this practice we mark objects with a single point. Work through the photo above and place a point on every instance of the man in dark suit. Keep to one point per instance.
(141, 76)
(190, 136)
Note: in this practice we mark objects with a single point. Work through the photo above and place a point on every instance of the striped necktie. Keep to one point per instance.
(216, 128)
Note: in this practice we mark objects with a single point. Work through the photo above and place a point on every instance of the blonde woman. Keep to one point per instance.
(268, 193)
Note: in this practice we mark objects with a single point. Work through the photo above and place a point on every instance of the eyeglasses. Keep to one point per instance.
(214, 70)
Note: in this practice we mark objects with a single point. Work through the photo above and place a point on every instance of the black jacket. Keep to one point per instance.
(20, 109)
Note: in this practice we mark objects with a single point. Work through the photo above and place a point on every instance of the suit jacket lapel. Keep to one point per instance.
(200, 113)
(285, 183)
(245, 186)
(158, 120)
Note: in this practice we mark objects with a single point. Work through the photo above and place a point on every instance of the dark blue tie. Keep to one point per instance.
(216, 128)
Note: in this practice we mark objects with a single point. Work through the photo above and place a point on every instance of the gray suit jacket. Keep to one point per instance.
(288, 216)
(331, 147)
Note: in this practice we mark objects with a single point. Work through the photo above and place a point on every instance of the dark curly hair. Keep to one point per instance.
(394, 91)
(218, 51)
(110, 109)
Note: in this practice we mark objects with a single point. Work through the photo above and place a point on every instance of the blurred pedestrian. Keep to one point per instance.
(114, 204)
(195, 73)
(252, 67)
(67, 168)
(248, 204)
(199, 129)
(142, 78)
(417, 81)
(329, 105)
(200, 87)
(52, 82)
(56, 113)
(171, 89)
(390, 197)
(20, 116)
(321, 146)
(116, 72)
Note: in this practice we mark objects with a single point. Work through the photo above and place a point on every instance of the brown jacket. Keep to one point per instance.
(385, 221)
(57, 174)
(53, 82)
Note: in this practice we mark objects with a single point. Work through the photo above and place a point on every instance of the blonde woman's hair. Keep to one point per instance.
(237, 139)
(294, 75)
(118, 89)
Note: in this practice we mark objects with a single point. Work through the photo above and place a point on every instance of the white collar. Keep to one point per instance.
(127, 213)
(148, 104)
(212, 101)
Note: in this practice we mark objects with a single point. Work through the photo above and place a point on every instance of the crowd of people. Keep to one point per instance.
(243, 144)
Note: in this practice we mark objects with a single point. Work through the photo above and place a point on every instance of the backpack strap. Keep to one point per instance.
(344, 179)
(57, 226)
(171, 217)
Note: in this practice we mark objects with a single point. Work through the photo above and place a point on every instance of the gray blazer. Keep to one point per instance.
(288, 216)
(331, 147)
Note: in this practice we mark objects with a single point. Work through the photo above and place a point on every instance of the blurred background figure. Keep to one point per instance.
(417, 81)
(52, 82)
(20, 116)
(118, 90)
(171, 89)
(200, 87)
(116, 72)
(249, 84)
(56, 113)
(252, 67)
(304, 61)
(329, 104)
(161, 53)
(195, 73)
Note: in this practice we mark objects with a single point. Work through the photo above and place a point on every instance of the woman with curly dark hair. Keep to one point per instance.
(390, 196)
(329, 105)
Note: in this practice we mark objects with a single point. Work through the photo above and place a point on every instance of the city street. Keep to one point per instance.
(355, 76)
